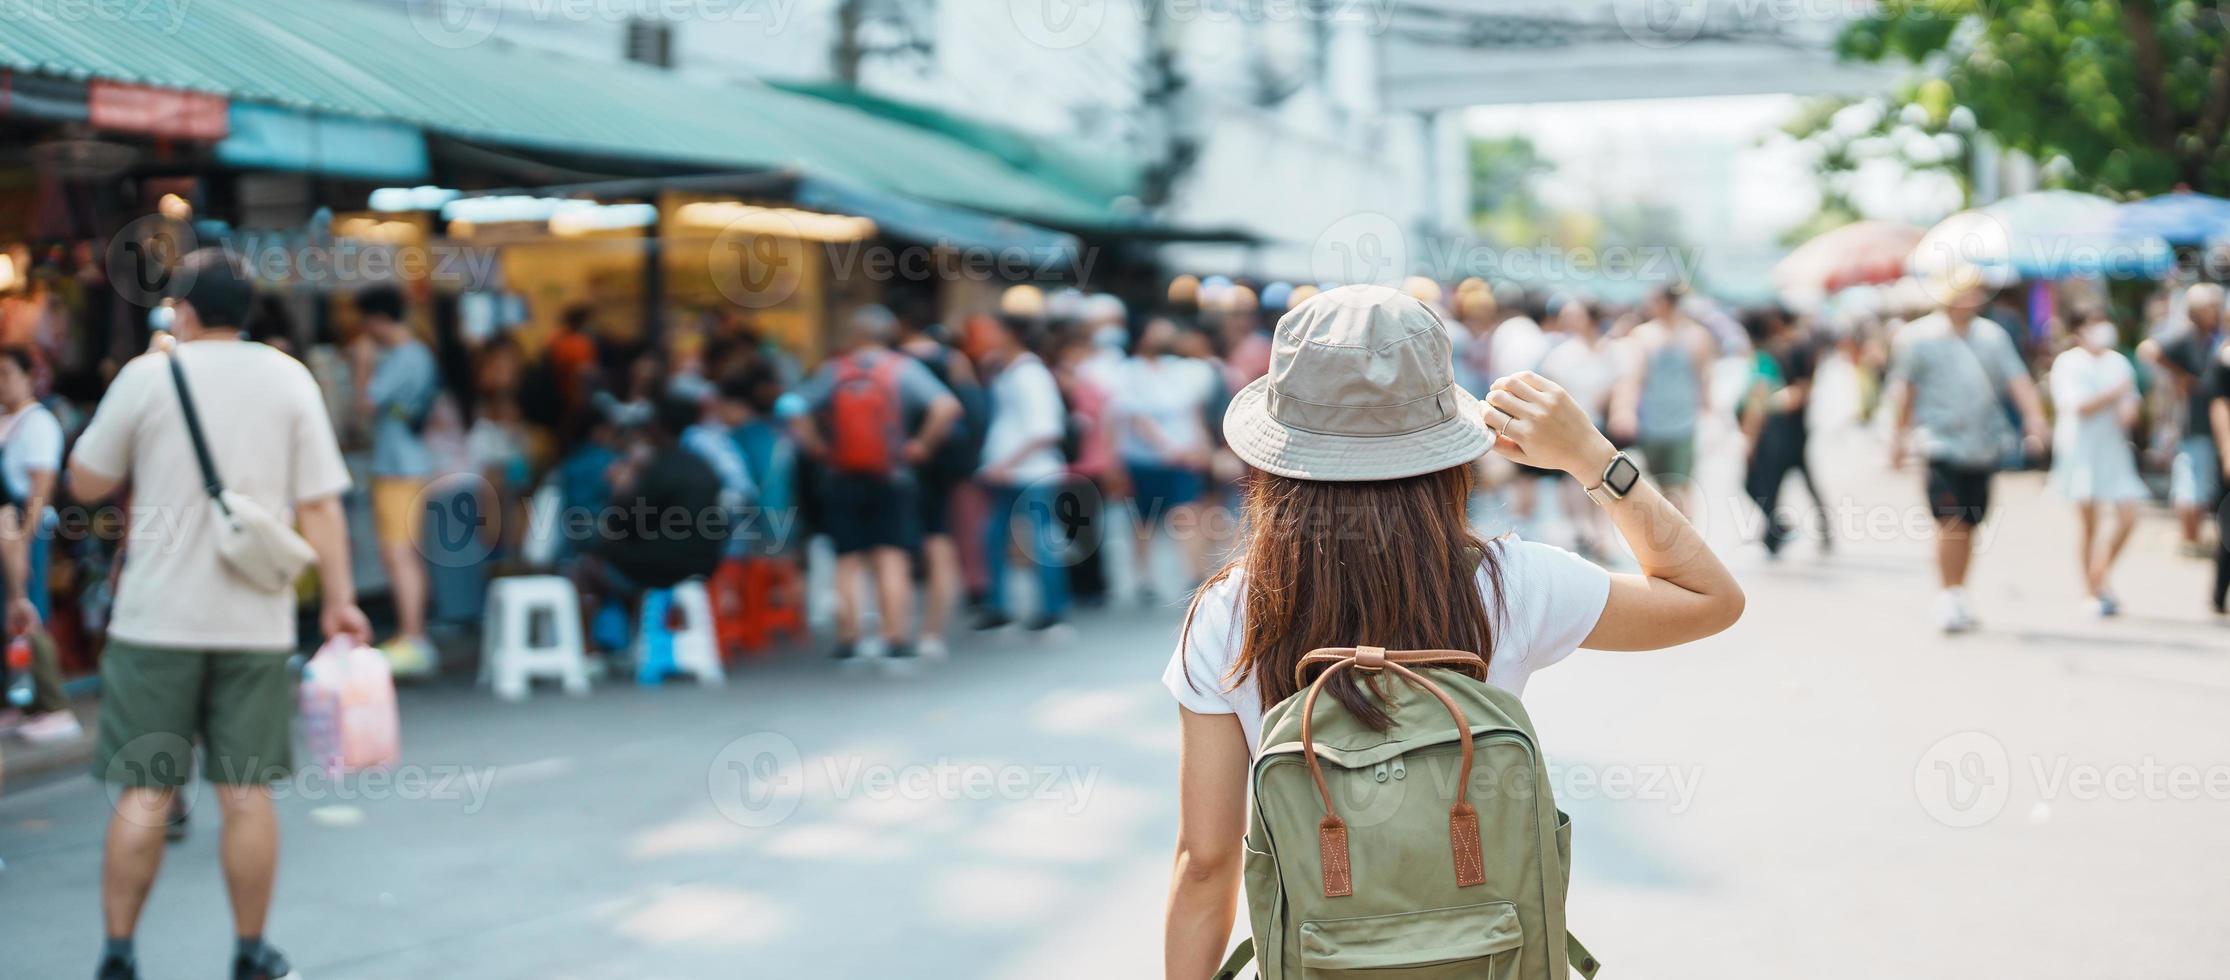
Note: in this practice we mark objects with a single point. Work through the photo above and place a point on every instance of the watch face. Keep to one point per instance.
(1621, 475)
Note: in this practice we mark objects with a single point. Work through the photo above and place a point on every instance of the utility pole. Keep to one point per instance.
(1168, 143)
(856, 24)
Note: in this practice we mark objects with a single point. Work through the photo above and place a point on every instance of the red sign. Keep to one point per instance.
(158, 111)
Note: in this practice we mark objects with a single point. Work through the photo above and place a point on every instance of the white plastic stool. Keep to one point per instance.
(509, 657)
(697, 646)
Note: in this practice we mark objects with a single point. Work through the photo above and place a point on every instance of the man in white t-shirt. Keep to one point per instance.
(196, 652)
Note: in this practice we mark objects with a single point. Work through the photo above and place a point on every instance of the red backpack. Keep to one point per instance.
(864, 423)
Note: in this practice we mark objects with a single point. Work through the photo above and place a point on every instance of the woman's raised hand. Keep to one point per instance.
(1537, 423)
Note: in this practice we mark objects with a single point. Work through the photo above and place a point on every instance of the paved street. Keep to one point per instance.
(1764, 804)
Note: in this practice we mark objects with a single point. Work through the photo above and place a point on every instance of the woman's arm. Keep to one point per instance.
(1683, 592)
(1212, 819)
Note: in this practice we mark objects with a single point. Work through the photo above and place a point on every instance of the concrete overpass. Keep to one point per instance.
(1443, 54)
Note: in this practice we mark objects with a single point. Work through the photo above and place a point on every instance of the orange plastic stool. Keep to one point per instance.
(753, 599)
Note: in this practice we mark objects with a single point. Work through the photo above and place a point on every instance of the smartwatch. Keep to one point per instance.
(1618, 480)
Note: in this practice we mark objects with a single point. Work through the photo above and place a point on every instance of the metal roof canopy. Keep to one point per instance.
(406, 65)
(1443, 54)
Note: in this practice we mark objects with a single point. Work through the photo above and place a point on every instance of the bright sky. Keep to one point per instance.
(1709, 158)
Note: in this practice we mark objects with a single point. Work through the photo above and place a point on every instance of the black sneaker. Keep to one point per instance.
(265, 963)
(117, 968)
(988, 621)
(898, 650)
(845, 650)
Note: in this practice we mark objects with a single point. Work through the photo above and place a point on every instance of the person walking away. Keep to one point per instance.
(30, 461)
(1359, 419)
(1587, 367)
(1159, 417)
(2217, 385)
(2194, 479)
(1773, 414)
(2094, 392)
(1666, 390)
(1021, 471)
(859, 402)
(195, 651)
(396, 395)
(1955, 370)
(946, 471)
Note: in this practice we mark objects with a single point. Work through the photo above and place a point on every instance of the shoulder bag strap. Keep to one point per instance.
(209, 481)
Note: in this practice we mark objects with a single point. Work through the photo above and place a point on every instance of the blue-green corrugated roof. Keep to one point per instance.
(355, 58)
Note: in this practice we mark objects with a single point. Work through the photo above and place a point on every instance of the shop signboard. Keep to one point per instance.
(42, 97)
(169, 113)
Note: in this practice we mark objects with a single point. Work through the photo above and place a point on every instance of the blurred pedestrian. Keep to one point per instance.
(665, 525)
(30, 462)
(195, 650)
(397, 384)
(1587, 366)
(1094, 474)
(2182, 356)
(859, 403)
(1955, 370)
(1159, 417)
(949, 467)
(2217, 387)
(2094, 392)
(1773, 415)
(1667, 389)
(713, 439)
(1022, 470)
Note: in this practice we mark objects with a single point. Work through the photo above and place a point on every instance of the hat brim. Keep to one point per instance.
(1270, 445)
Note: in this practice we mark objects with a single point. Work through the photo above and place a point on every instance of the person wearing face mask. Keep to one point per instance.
(2094, 393)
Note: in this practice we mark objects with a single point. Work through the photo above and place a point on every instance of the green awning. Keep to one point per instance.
(407, 64)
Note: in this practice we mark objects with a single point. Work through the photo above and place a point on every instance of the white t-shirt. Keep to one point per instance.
(271, 440)
(1551, 601)
(1025, 408)
(1170, 392)
(33, 444)
(1587, 372)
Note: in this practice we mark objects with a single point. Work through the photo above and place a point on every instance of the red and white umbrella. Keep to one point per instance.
(1857, 254)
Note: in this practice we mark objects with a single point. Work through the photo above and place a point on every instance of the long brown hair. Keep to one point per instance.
(1390, 563)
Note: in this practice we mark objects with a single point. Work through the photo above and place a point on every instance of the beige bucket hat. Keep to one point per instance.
(1361, 387)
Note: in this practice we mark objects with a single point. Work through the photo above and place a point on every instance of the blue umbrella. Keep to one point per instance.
(2183, 218)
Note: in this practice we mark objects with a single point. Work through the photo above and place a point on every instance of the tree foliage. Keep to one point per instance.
(2134, 95)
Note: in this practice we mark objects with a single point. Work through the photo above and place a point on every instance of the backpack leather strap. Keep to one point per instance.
(1331, 833)
(1463, 660)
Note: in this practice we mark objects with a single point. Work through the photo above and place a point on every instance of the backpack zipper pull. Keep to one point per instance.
(1379, 773)
(1399, 771)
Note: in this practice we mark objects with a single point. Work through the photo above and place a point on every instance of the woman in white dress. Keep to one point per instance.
(2094, 393)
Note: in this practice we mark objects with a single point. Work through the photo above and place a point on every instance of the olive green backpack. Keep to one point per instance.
(1430, 850)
